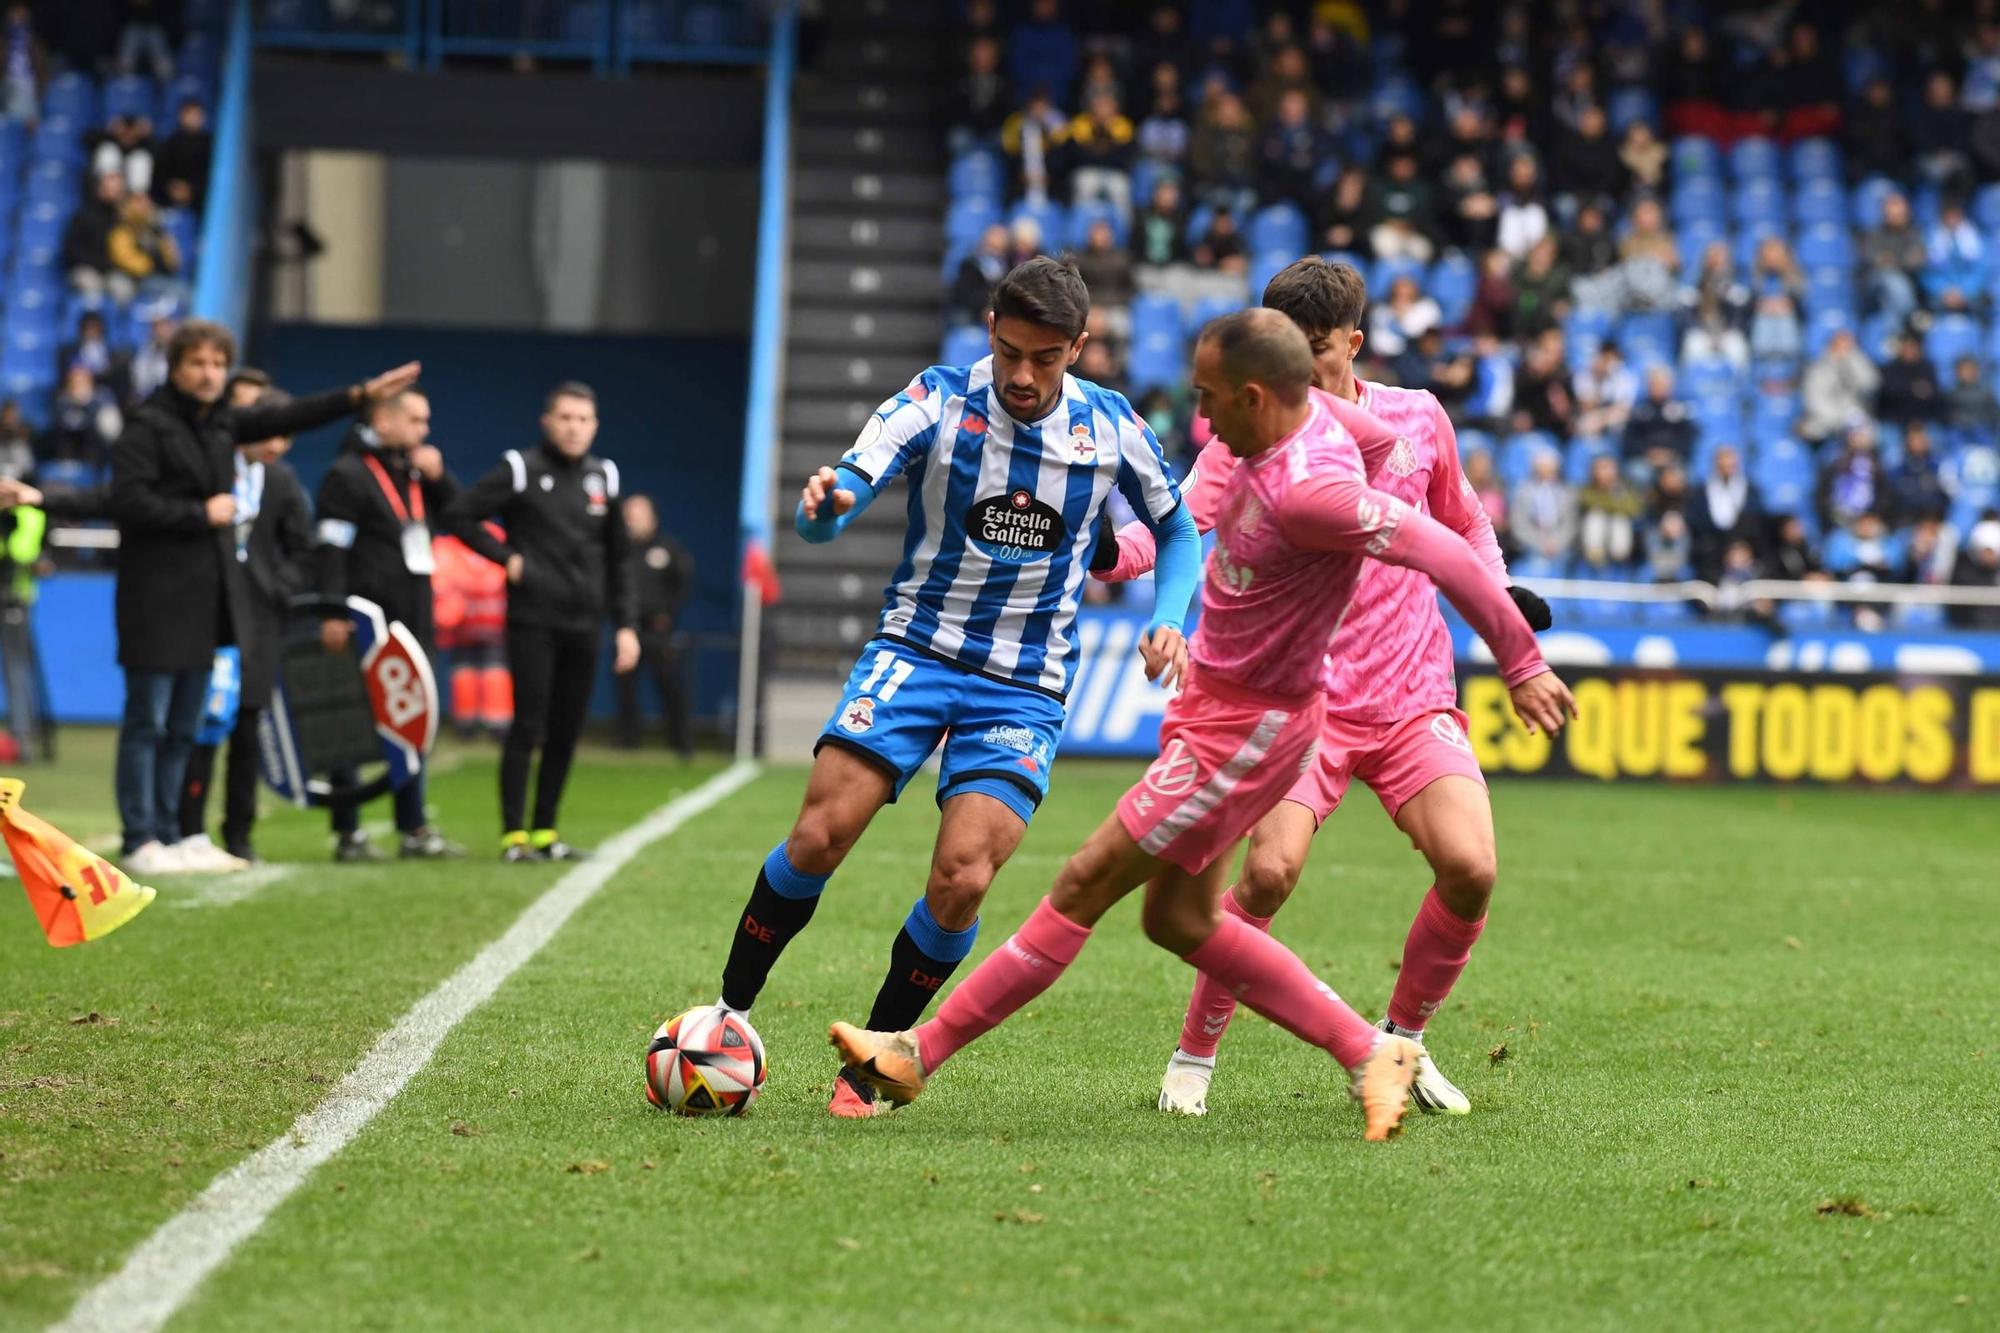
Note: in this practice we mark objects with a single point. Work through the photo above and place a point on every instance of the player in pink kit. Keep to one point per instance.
(1295, 522)
(1392, 718)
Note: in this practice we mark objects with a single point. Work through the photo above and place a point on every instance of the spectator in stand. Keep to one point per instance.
(1339, 60)
(1466, 136)
(149, 368)
(1222, 155)
(1100, 155)
(1032, 139)
(1165, 41)
(1542, 512)
(1347, 214)
(1609, 510)
(1221, 246)
(1916, 491)
(143, 39)
(1522, 115)
(1807, 85)
(92, 350)
(978, 273)
(1775, 269)
(1791, 551)
(1541, 389)
(1430, 366)
(1877, 142)
(1100, 77)
(1606, 391)
(1541, 289)
(1404, 317)
(86, 245)
(983, 96)
(1969, 406)
(1723, 512)
(1978, 566)
(1523, 220)
(17, 443)
(1643, 156)
(21, 52)
(1107, 273)
(123, 148)
(1909, 389)
(1159, 233)
(144, 252)
(982, 19)
(1094, 364)
(1648, 260)
(1838, 389)
(1955, 266)
(1492, 314)
(1111, 326)
(1669, 494)
(1291, 150)
(1775, 331)
(1042, 51)
(84, 421)
(1660, 432)
(1928, 554)
(1721, 308)
(1893, 254)
(1939, 128)
(1485, 483)
(1163, 134)
(1982, 67)
(1669, 548)
(1586, 164)
(1286, 73)
(1471, 211)
(1406, 207)
(1589, 247)
(1851, 484)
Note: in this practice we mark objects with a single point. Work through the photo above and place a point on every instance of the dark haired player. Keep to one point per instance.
(1392, 719)
(1010, 461)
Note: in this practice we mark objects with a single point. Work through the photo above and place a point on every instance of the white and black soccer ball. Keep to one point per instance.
(705, 1061)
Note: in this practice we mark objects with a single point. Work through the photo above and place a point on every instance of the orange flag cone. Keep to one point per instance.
(77, 895)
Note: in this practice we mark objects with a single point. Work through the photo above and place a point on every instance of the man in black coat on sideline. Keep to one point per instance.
(182, 593)
(274, 544)
(379, 505)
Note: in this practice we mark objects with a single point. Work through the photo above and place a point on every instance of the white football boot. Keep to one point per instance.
(1433, 1093)
(1184, 1090)
(199, 853)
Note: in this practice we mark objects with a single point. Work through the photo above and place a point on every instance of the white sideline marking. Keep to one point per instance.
(159, 1276)
(223, 890)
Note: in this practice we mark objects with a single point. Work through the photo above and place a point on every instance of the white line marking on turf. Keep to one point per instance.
(169, 1265)
(223, 890)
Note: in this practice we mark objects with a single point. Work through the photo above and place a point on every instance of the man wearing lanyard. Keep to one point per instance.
(377, 507)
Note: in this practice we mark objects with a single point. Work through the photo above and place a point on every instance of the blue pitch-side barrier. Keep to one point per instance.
(222, 276)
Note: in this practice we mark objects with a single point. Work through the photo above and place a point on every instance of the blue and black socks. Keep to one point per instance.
(779, 908)
(923, 957)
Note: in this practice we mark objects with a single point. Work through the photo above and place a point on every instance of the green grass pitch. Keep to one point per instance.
(1734, 1059)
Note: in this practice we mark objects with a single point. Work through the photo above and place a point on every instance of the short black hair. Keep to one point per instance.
(569, 389)
(246, 375)
(195, 335)
(1044, 291)
(1318, 295)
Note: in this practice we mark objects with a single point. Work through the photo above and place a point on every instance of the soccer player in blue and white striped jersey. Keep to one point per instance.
(1009, 462)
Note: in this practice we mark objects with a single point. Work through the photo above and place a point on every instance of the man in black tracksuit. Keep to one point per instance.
(566, 557)
(663, 575)
(378, 506)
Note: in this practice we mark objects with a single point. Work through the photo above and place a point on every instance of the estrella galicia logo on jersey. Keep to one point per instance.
(1015, 528)
(858, 716)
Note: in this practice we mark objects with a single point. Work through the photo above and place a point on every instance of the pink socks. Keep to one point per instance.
(1213, 1004)
(1015, 973)
(1435, 953)
(1269, 978)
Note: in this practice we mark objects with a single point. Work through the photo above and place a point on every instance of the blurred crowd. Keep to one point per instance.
(1708, 293)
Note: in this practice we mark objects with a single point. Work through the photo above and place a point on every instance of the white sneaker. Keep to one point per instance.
(1184, 1090)
(151, 858)
(1433, 1093)
(200, 853)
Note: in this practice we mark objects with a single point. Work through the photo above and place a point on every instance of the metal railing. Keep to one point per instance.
(609, 35)
(1735, 596)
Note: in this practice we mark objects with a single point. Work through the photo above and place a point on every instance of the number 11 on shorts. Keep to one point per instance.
(898, 673)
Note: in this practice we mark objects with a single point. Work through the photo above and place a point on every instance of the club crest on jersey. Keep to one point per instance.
(858, 716)
(1082, 443)
(1402, 459)
(1445, 727)
(1015, 528)
(593, 492)
(1174, 771)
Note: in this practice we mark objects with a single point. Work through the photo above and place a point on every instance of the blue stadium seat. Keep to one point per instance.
(1453, 281)
(199, 56)
(1081, 216)
(1819, 200)
(1815, 159)
(1147, 173)
(1397, 95)
(1518, 454)
(1281, 226)
(1779, 410)
(187, 88)
(71, 96)
(966, 219)
(1950, 337)
(1749, 236)
(1197, 222)
(1052, 217)
(1212, 307)
(1695, 155)
(1697, 199)
(1472, 442)
(42, 225)
(28, 358)
(1713, 379)
(1157, 361)
(1592, 326)
(60, 138)
(1692, 239)
(977, 172)
(1785, 486)
(1753, 157)
(1647, 337)
(1156, 314)
(132, 95)
(1784, 451)
(1388, 270)
(1830, 286)
(1865, 201)
(1359, 263)
(13, 145)
(1879, 334)
(1823, 324)
(1926, 203)
(1759, 200)
(1630, 105)
(1266, 265)
(50, 183)
(963, 346)
(1986, 208)
(1578, 458)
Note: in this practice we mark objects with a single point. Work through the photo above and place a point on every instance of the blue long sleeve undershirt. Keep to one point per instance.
(1176, 567)
(827, 526)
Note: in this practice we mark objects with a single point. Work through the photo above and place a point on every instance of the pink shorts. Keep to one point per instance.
(1396, 759)
(1227, 757)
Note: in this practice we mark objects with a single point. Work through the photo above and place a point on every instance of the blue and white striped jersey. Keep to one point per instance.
(1002, 515)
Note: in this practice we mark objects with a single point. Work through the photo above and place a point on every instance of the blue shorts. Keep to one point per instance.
(998, 738)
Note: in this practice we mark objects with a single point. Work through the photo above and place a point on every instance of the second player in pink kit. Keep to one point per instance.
(1392, 719)
(1295, 523)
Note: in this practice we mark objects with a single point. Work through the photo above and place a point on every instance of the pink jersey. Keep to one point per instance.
(1392, 656)
(1293, 527)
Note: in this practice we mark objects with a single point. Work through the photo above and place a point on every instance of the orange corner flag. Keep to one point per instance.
(77, 895)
